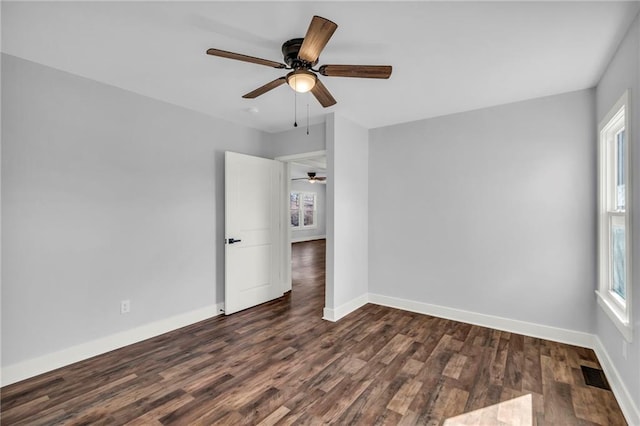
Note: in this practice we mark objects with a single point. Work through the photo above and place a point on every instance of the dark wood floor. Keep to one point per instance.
(280, 363)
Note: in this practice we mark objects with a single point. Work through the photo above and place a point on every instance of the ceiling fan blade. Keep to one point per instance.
(322, 94)
(313, 180)
(318, 34)
(245, 58)
(360, 71)
(264, 89)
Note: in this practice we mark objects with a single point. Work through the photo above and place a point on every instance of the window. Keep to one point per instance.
(614, 227)
(302, 206)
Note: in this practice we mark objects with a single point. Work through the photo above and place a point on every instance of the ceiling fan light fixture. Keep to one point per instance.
(301, 81)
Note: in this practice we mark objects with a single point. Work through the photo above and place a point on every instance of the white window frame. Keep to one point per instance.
(618, 309)
(301, 224)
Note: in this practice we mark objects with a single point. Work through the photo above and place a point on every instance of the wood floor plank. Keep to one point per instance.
(558, 404)
(454, 366)
(515, 363)
(532, 369)
(280, 363)
(19, 412)
(275, 416)
(403, 398)
(361, 410)
(499, 364)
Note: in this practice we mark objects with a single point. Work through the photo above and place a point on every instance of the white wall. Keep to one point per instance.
(320, 230)
(347, 216)
(624, 73)
(489, 211)
(107, 195)
(296, 141)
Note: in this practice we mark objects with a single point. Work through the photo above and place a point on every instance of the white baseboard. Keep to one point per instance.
(42, 364)
(310, 238)
(342, 311)
(512, 326)
(627, 404)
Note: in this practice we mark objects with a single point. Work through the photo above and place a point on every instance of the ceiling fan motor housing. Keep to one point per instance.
(290, 50)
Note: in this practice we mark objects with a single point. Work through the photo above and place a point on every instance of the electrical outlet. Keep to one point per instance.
(624, 349)
(125, 306)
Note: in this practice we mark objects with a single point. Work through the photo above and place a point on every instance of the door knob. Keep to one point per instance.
(233, 240)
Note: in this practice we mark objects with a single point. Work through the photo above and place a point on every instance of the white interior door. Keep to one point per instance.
(253, 244)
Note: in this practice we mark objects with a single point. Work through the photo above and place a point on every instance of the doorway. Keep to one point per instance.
(306, 206)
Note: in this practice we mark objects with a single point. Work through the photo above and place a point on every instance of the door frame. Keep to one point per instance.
(286, 229)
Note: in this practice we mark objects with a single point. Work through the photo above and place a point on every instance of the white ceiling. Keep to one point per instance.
(447, 57)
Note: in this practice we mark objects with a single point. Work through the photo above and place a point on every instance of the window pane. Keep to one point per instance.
(309, 200)
(294, 200)
(620, 178)
(295, 217)
(308, 206)
(308, 217)
(618, 276)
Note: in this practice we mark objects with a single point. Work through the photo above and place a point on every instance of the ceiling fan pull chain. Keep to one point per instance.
(295, 109)
(307, 115)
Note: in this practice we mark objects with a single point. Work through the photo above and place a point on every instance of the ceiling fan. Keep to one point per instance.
(312, 178)
(300, 56)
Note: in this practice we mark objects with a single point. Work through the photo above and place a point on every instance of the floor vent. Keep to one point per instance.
(595, 377)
